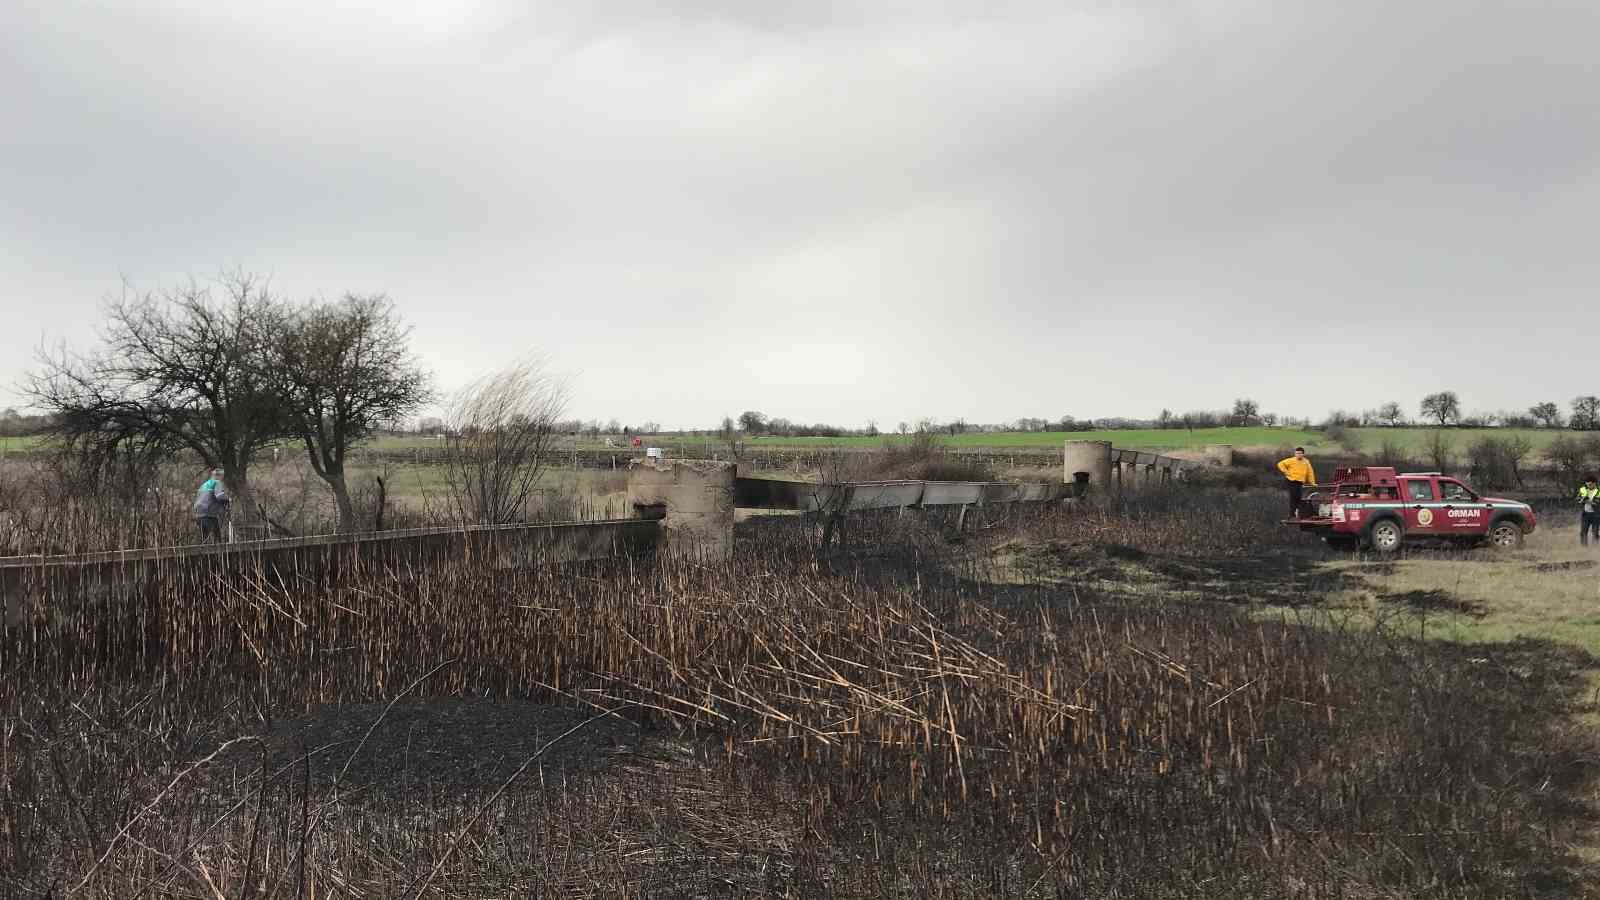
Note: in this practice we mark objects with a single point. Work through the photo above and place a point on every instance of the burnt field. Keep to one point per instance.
(1149, 699)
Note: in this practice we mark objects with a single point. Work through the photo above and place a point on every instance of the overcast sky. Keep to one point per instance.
(843, 211)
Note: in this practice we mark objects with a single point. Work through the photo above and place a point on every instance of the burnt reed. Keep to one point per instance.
(904, 719)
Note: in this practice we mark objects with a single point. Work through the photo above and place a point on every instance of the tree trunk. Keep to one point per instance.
(243, 513)
(341, 498)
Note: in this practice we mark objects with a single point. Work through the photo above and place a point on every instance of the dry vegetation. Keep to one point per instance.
(51, 505)
(1075, 703)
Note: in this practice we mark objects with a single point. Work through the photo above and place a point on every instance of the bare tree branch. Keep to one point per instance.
(178, 371)
(501, 430)
(344, 368)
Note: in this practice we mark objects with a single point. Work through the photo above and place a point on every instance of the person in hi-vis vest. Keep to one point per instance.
(1589, 503)
(1297, 473)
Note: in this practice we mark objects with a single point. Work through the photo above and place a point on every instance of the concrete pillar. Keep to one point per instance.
(693, 498)
(1090, 457)
(1219, 454)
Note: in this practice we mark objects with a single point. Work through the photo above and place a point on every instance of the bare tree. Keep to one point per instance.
(178, 371)
(1547, 414)
(1497, 462)
(1245, 412)
(501, 432)
(1444, 406)
(344, 369)
(728, 433)
(1586, 413)
(1391, 414)
(1439, 449)
(1570, 458)
(1517, 450)
(752, 422)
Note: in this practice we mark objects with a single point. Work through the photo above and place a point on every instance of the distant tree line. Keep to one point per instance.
(16, 424)
(752, 423)
(1444, 410)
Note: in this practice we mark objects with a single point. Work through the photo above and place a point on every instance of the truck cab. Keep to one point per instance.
(1378, 508)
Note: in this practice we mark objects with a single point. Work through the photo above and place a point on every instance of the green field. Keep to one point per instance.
(1461, 438)
(1369, 439)
(1150, 439)
(1366, 439)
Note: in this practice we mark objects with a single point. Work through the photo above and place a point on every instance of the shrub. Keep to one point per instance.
(1497, 462)
(1570, 458)
(1438, 450)
(1393, 453)
(1344, 436)
(926, 457)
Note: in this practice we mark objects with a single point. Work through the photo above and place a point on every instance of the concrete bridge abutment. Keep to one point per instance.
(1087, 465)
(693, 499)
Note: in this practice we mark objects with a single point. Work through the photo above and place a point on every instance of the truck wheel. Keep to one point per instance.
(1506, 534)
(1386, 536)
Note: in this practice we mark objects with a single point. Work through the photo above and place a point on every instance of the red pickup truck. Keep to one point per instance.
(1372, 506)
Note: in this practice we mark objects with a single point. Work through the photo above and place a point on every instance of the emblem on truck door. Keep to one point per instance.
(1424, 517)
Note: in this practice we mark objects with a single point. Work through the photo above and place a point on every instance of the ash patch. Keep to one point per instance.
(447, 742)
(1437, 601)
(1570, 566)
(1057, 559)
(1282, 579)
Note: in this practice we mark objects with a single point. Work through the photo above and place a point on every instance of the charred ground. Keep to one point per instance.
(1166, 696)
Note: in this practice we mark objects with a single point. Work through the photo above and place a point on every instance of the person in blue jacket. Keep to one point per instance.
(210, 504)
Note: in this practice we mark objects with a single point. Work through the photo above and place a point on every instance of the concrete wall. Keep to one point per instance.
(693, 499)
(807, 496)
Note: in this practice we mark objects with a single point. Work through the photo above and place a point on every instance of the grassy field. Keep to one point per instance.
(1133, 439)
(1413, 439)
(1368, 439)
(1549, 590)
(1150, 439)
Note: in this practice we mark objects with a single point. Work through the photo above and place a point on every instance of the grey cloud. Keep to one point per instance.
(953, 209)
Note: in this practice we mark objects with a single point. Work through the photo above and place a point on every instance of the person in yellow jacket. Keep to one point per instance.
(1589, 502)
(1297, 473)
